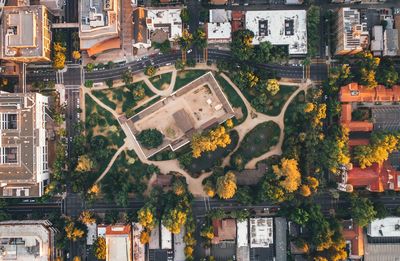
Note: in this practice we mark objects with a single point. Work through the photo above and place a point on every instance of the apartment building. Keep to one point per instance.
(25, 34)
(99, 26)
(352, 35)
(24, 168)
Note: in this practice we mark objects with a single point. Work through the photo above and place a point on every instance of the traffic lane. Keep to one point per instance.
(318, 71)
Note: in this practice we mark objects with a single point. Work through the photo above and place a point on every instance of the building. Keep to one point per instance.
(156, 25)
(352, 36)
(383, 239)
(27, 240)
(238, 20)
(396, 17)
(23, 150)
(242, 246)
(391, 42)
(139, 251)
(25, 34)
(155, 238)
(218, 2)
(166, 238)
(219, 29)
(294, 2)
(55, 6)
(280, 27)
(179, 246)
(377, 40)
(118, 243)
(262, 238)
(199, 105)
(224, 230)
(354, 237)
(99, 26)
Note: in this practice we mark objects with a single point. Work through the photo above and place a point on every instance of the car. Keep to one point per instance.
(167, 64)
(28, 201)
(189, 51)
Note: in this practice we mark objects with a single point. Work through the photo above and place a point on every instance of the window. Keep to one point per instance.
(289, 27)
(9, 155)
(9, 121)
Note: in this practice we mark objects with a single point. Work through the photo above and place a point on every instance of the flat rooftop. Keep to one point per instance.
(99, 22)
(387, 227)
(25, 32)
(165, 19)
(23, 147)
(193, 108)
(280, 27)
(26, 240)
(261, 232)
(219, 26)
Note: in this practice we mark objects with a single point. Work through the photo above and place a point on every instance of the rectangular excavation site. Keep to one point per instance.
(199, 105)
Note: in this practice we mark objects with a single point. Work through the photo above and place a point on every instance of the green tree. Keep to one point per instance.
(88, 83)
(89, 67)
(109, 83)
(200, 39)
(179, 65)
(242, 44)
(150, 138)
(127, 77)
(362, 210)
(185, 15)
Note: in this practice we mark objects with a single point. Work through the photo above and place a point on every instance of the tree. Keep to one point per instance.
(146, 217)
(179, 65)
(242, 44)
(273, 86)
(362, 211)
(144, 237)
(377, 151)
(305, 191)
(207, 232)
(243, 196)
(150, 70)
(210, 141)
(387, 74)
(226, 185)
(86, 217)
(150, 138)
(174, 219)
(200, 38)
(59, 61)
(209, 189)
(90, 67)
(100, 248)
(85, 163)
(72, 231)
(185, 15)
(76, 258)
(76, 55)
(88, 84)
(127, 77)
(178, 187)
(288, 174)
(109, 83)
(185, 41)
(299, 215)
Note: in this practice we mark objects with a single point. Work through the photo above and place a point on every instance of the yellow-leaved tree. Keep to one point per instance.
(146, 217)
(85, 163)
(210, 141)
(273, 86)
(226, 185)
(144, 237)
(174, 219)
(100, 248)
(87, 217)
(289, 174)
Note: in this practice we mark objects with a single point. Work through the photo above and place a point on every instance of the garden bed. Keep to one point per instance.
(233, 97)
(186, 76)
(121, 99)
(161, 81)
(258, 141)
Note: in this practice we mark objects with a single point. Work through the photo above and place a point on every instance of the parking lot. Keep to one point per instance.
(386, 118)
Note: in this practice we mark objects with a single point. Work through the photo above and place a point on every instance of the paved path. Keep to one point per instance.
(195, 184)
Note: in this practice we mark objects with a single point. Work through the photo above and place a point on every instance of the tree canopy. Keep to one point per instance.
(150, 138)
(226, 185)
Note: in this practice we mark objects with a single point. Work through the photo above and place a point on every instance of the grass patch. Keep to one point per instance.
(185, 77)
(123, 98)
(103, 133)
(233, 97)
(161, 81)
(256, 142)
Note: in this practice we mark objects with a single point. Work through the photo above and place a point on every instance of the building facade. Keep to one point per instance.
(24, 168)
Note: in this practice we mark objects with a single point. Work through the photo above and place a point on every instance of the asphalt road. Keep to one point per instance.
(72, 75)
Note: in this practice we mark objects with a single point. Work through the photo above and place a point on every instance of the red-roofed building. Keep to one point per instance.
(238, 18)
(353, 92)
(119, 243)
(354, 236)
(224, 230)
(347, 122)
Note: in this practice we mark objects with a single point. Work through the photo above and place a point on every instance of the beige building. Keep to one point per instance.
(352, 36)
(23, 146)
(99, 26)
(25, 34)
(27, 240)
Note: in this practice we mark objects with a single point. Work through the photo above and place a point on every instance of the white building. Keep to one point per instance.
(166, 20)
(280, 27)
(261, 232)
(166, 238)
(242, 246)
(155, 238)
(387, 227)
(24, 168)
(377, 40)
(28, 240)
(179, 246)
(219, 28)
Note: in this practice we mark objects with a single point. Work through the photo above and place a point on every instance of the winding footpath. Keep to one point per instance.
(195, 184)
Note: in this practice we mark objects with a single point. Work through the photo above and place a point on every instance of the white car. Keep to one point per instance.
(189, 51)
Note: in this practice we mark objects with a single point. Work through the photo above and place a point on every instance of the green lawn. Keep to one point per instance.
(161, 81)
(122, 98)
(185, 77)
(233, 97)
(127, 175)
(270, 105)
(103, 133)
(256, 142)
